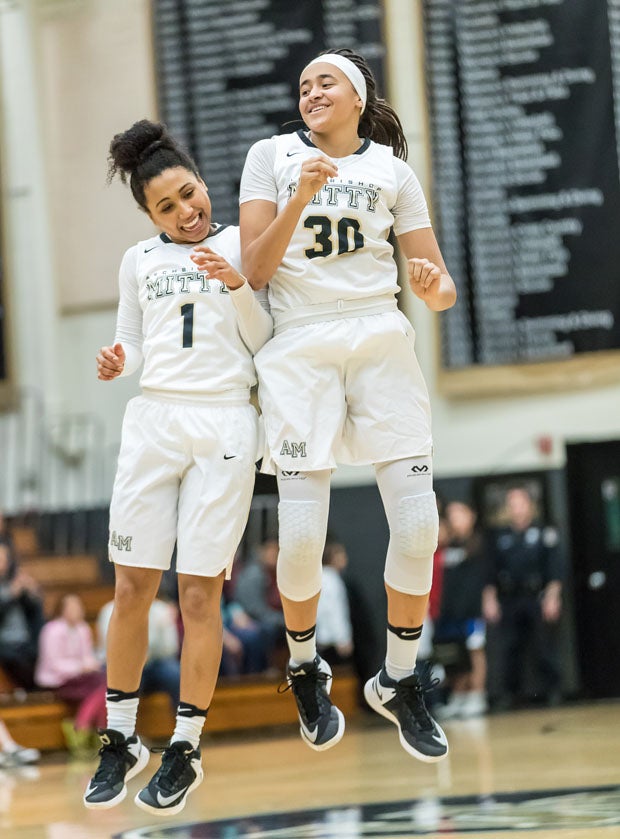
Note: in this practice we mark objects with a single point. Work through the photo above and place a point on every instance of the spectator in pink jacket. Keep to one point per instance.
(67, 664)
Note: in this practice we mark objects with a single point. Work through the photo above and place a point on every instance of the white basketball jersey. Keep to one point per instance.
(190, 339)
(340, 248)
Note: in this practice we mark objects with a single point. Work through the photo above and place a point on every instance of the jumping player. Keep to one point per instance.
(187, 460)
(340, 380)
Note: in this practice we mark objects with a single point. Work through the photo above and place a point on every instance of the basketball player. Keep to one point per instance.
(340, 380)
(187, 460)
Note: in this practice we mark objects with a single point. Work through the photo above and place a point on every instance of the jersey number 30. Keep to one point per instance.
(347, 235)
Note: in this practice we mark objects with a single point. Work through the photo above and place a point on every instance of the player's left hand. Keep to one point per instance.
(422, 275)
(216, 267)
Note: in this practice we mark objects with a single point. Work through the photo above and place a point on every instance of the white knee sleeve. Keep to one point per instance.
(413, 541)
(302, 529)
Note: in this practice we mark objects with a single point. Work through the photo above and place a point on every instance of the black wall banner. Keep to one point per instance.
(228, 73)
(524, 99)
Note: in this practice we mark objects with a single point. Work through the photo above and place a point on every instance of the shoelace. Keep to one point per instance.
(113, 756)
(412, 696)
(173, 764)
(309, 689)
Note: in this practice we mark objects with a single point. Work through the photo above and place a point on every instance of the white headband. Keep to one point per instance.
(346, 66)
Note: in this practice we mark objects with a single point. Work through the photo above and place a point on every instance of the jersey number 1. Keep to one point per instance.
(323, 245)
(187, 312)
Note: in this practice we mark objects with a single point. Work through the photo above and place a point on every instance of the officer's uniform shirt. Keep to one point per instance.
(524, 562)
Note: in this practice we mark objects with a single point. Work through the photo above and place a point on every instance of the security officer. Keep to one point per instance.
(523, 596)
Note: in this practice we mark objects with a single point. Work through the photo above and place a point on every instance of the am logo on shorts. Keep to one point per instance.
(122, 543)
(293, 449)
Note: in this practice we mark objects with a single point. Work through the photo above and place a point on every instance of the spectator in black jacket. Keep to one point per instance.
(256, 592)
(21, 619)
(523, 596)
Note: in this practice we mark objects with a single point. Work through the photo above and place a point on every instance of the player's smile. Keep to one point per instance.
(194, 225)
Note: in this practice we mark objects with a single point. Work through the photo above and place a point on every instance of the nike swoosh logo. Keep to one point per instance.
(311, 735)
(306, 637)
(166, 800)
(291, 153)
(229, 456)
(148, 250)
(409, 634)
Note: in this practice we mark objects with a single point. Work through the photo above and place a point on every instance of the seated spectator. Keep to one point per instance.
(246, 643)
(245, 646)
(334, 635)
(21, 619)
(460, 612)
(5, 533)
(67, 664)
(11, 753)
(256, 592)
(162, 670)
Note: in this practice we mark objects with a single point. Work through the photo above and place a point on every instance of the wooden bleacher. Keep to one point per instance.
(239, 704)
(242, 704)
(25, 540)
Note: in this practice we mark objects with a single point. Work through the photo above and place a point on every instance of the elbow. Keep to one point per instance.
(257, 274)
(256, 280)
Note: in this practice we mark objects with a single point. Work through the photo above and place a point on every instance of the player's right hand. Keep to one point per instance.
(314, 174)
(110, 362)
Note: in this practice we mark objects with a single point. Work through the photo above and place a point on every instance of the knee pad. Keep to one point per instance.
(418, 525)
(409, 565)
(302, 529)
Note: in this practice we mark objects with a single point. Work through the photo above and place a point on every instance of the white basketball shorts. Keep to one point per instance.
(343, 391)
(185, 473)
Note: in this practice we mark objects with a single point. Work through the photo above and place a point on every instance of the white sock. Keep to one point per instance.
(122, 712)
(301, 646)
(402, 651)
(189, 724)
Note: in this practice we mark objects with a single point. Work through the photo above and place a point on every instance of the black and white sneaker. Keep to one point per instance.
(321, 724)
(180, 773)
(120, 759)
(403, 704)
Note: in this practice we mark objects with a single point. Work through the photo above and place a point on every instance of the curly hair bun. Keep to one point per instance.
(132, 147)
